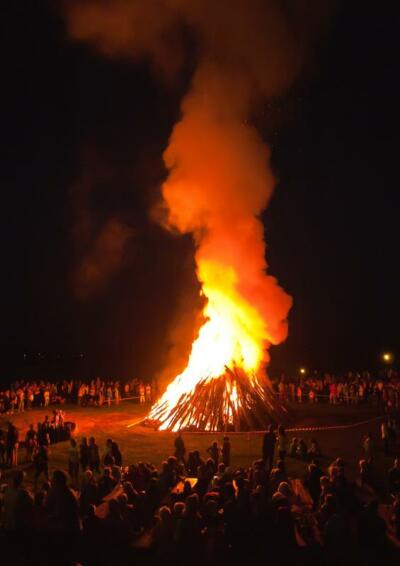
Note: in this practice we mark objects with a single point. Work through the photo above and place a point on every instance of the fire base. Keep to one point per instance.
(231, 402)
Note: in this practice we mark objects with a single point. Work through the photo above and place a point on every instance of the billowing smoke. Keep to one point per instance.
(219, 173)
(99, 244)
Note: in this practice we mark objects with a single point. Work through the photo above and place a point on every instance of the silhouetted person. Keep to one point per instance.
(89, 492)
(180, 449)
(394, 478)
(116, 453)
(73, 460)
(106, 483)
(94, 456)
(2, 449)
(163, 534)
(314, 451)
(84, 454)
(226, 451)
(93, 536)
(282, 442)
(41, 463)
(213, 450)
(191, 526)
(108, 457)
(62, 506)
(17, 506)
(313, 483)
(12, 445)
(268, 447)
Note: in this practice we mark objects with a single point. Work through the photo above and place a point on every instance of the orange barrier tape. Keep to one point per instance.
(334, 427)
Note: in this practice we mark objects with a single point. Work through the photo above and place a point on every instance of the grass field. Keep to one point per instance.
(139, 443)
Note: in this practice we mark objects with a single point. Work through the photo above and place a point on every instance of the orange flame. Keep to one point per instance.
(234, 334)
(219, 182)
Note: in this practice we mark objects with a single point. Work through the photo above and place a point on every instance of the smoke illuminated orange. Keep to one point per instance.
(218, 184)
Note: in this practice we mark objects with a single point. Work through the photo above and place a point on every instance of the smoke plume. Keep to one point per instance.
(219, 178)
(99, 243)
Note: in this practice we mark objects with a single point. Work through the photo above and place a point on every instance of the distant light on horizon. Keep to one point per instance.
(387, 357)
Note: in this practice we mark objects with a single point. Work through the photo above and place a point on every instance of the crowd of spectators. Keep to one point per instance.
(351, 388)
(24, 395)
(197, 508)
(50, 431)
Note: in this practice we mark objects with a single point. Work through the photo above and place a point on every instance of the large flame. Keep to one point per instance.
(218, 184)
(234, 335)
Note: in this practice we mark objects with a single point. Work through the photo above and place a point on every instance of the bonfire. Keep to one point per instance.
(219, 181)
(223, 387)
(231, 402)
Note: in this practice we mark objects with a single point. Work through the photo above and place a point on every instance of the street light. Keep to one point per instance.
(387, 357)
(302, 371)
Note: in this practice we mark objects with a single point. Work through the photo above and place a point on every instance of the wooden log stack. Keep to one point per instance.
(235, 401)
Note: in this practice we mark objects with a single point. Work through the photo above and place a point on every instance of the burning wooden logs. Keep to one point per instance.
(234, 401)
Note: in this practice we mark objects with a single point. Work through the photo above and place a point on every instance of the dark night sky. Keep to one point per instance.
(331, 226)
